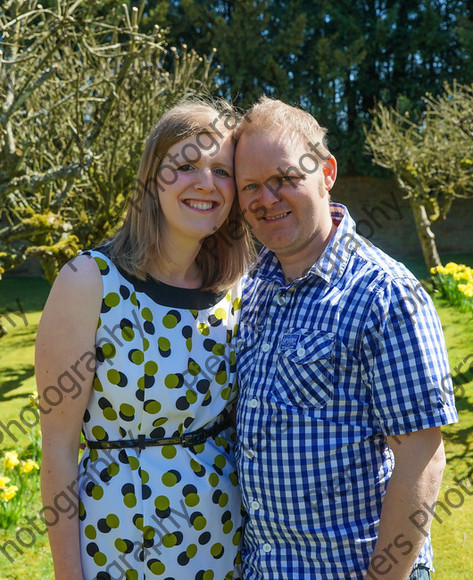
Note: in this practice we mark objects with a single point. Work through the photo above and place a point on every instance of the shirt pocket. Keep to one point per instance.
(305, 370)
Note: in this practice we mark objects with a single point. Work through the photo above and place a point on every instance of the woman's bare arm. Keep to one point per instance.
(66, 333)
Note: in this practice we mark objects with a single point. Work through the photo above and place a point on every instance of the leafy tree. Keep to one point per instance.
(358, 52)
(256, 41)
(80, 88)
(336, 59)
(431, 160)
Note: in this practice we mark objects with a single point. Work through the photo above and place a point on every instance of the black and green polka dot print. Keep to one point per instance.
(165, 366)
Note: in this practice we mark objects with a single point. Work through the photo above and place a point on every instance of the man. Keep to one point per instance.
(344, 379)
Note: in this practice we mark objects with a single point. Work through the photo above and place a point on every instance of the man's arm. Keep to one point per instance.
(417, 475)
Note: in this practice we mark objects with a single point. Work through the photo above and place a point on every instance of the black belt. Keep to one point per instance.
(186, 440)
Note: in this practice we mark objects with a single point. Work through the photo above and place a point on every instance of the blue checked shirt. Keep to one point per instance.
(329, 365)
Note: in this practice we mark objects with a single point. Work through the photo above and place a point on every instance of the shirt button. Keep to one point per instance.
(301, 351)
(265, 347)
(266, 548)
(253, 403)
(250, 453)
(255, 505)
(281, 299)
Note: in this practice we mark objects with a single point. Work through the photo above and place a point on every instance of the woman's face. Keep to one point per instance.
(196, 188)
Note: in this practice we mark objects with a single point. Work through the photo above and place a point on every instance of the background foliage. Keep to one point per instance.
(81, 85)
(431, 158)
(337, 59)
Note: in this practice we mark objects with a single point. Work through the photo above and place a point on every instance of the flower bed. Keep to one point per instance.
(19, 480)
(455, 282)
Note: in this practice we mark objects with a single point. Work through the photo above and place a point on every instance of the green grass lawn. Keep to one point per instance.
(16, 382)
(452, 535)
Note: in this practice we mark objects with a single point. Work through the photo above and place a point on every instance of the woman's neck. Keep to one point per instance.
(177, 267)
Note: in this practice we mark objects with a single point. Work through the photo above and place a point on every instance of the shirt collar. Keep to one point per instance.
(331, 264)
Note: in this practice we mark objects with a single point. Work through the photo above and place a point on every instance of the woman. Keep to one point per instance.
(145, 328)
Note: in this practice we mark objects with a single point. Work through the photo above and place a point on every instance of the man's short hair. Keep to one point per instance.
(270, 115)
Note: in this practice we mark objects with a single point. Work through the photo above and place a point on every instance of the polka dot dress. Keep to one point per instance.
(165, 366)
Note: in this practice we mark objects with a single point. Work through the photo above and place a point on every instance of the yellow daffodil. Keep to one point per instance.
(466, 289)
(10, 460)
(9, 493)
(4, 480)
(33, 399)
(28, 466)
(456, 283)
(452, 268)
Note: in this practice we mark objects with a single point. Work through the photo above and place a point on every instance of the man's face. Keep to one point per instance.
(283, 193)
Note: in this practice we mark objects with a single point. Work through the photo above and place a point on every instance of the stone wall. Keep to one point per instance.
(385, 218)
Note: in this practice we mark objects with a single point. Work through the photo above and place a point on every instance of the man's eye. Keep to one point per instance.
(223, 172)
(186, 167)
(290, 178)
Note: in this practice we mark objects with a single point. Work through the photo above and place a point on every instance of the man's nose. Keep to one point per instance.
(269, 193)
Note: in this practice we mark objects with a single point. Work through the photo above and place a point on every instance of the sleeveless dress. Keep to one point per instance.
(165, 366)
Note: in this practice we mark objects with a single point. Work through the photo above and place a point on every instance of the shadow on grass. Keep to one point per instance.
(462, 437)
(31, 293)
(463, 378)
(12, 379)
(23, 338)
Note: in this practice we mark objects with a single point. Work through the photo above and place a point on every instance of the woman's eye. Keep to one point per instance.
(223, 172)
(250, 187)
(186, 167)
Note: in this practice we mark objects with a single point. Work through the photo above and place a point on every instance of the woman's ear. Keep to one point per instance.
(330, 172)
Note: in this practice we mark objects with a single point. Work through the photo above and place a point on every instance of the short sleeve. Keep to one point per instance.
(405, 360)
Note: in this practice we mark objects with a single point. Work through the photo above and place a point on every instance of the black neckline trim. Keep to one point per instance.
(169, 296)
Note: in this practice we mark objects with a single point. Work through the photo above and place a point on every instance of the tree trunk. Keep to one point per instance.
(426, 235)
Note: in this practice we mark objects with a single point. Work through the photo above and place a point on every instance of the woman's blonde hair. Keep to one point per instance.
(224, 255)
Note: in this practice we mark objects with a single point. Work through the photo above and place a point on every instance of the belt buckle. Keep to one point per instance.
(192, 439)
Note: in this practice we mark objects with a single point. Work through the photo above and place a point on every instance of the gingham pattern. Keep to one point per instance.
(328, 366)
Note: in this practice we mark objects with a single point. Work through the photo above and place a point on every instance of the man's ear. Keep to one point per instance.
(330, 172)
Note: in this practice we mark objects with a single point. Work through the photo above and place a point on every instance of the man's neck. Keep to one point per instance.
(298, 265)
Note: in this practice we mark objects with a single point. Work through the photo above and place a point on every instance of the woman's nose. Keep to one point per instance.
(204, 180)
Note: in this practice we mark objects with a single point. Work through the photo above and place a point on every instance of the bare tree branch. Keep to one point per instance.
(79, 93)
